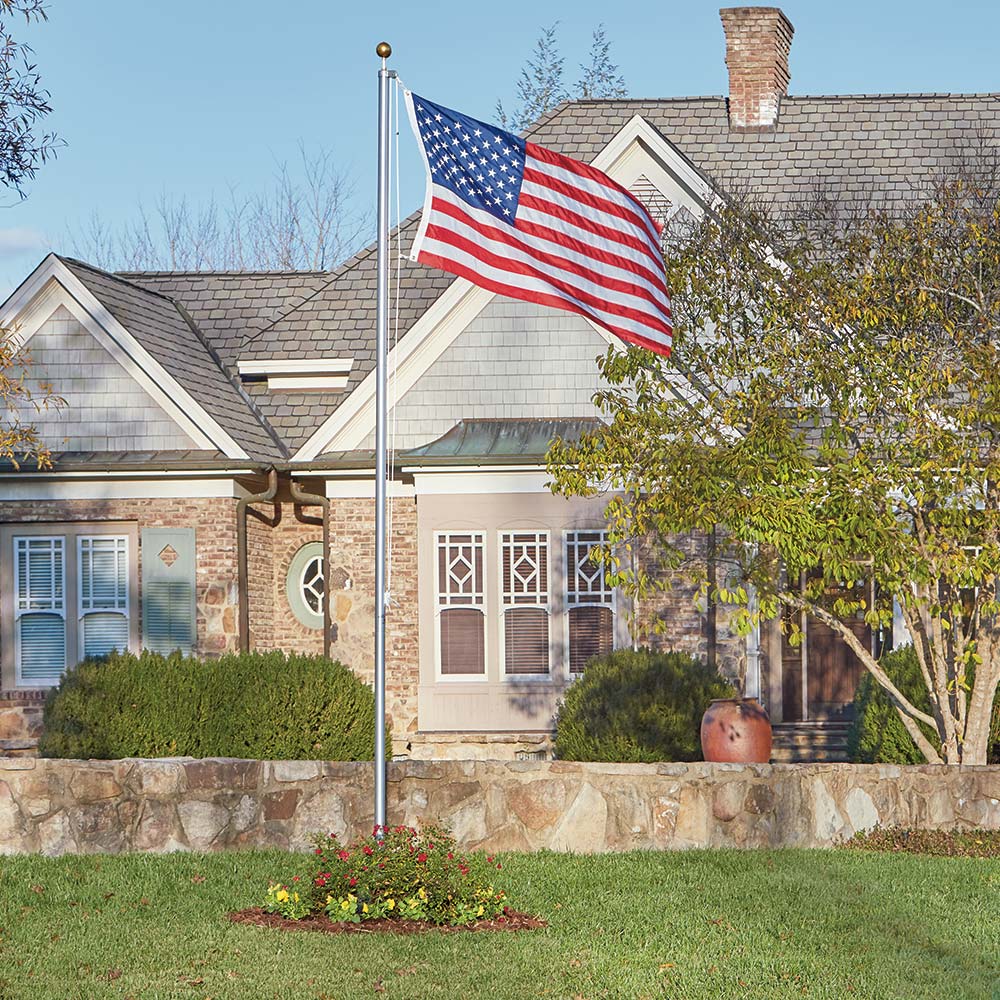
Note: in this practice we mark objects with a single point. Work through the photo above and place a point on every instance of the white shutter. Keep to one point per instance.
(39, 609)
(102, 594)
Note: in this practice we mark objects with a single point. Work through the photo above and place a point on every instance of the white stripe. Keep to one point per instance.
(597, 189)
(576, 282)
(528, 283)
(584, 236)
(548, 247)
(612, 222)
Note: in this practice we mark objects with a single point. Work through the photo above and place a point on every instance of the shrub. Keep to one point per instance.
(407, 875)
(269, 706)
(635, 706)
(877, 735)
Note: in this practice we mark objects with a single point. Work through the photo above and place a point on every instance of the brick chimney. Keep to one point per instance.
(758, 40)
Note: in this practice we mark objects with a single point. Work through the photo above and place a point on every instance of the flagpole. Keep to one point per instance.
(383, 50)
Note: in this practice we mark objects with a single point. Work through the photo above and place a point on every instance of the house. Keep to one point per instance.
(220, 426)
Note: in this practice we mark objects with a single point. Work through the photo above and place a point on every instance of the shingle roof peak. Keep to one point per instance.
(214, 272)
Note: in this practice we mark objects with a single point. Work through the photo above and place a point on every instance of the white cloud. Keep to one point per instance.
(20, 239)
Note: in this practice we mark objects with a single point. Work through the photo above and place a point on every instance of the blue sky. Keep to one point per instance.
(190, 98)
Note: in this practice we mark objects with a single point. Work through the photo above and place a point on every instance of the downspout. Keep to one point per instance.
(314, 499)
(243, 573)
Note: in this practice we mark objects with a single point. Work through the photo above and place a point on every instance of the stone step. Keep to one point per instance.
(810, 742)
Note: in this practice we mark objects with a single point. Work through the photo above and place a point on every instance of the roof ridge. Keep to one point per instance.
(115, 276)
(224, 273)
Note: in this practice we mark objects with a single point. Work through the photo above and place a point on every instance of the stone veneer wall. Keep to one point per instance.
(64, 806)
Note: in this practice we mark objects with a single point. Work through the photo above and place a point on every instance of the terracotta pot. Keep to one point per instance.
(737, 731)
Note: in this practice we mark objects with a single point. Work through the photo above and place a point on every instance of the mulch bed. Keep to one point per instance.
(322, 924)
(941, 843)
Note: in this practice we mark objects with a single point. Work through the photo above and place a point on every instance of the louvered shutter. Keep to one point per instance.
(40, 609)
(102, 593)
(590, 600)
(168, 589)
(525, 576)
(460, 604)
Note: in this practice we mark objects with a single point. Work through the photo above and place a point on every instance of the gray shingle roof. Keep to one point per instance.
(881, 148)
(157, 323)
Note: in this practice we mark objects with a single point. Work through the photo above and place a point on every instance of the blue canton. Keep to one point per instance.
(480, 163)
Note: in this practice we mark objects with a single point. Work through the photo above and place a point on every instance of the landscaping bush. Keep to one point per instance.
(637, 706)
(269, 706)
(407, 875)
(877, 735)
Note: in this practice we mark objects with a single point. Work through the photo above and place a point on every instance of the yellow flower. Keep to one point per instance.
(345, 905)
(329, 899)
(412, 904)
(480, 911)
(391, 904)
(364, 907)
(295, 897)
(422, 893)
(281, 895)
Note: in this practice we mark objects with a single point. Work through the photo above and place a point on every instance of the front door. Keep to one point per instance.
(821, 676)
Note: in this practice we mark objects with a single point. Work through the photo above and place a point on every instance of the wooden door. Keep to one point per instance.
(832, 669)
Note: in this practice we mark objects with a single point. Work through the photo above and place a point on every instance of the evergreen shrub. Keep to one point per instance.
(877, 735)
(637, 706)
(269, 706)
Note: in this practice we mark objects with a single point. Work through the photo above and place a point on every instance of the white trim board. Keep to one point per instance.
(53, 284)
(121, 490)
(637, 150)
(296, 366)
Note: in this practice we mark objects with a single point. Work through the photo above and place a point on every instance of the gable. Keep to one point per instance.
(514, 360)
(106, 409)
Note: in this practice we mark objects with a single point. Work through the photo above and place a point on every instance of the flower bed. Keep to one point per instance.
(400, 878)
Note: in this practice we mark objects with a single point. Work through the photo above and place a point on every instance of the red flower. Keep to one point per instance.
(421, 857)
(381, 864)
(295, 878)
(319, 850)
(489, 859)
(499, 866)
(353, 882)
(450, 856)
(367, 849)
(343, 855)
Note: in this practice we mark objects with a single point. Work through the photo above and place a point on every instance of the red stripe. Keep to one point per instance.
(655, 275)
(590, 226)
(592, 201)
(445, 235)
(591, 173)
(553, 301)
(501, 236)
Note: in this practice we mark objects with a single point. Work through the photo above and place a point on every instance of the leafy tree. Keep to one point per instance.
(540, 87)
(23, 101)
(835, 411)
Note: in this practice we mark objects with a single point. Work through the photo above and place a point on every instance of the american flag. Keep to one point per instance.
(532, 224)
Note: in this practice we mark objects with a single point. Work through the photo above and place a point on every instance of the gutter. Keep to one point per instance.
(299, 495)
(243, 573)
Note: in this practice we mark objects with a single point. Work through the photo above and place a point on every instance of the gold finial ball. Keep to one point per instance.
(383, 50)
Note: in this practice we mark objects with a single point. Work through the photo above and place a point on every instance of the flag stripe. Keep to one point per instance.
(551, 174)
(546, 203)
(470, 269)
(592, 294)
(586, 172)
(531, 279)
(628, 280)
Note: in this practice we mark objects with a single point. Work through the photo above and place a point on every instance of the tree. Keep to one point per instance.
(23, 101)
(834, 411)
(295, 224)
(540, 87)
(21, 396)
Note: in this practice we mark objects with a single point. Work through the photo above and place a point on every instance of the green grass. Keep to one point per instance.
(713, 925)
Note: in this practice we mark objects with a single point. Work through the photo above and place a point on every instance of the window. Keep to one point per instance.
(460, 604)
(524, 559)
(102, 594)
(40, 609)
(590, 600)
(305, 585)
(74, 595)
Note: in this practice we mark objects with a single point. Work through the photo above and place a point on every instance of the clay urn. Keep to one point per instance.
(736, 731)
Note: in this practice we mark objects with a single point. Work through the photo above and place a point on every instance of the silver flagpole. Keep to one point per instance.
(383, 50)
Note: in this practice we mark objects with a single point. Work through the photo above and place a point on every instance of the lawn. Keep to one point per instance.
(712, 925)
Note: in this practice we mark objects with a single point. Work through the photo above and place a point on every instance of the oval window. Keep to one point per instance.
(305, 585)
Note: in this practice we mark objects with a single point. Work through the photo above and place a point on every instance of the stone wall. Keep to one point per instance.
(63, 806)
